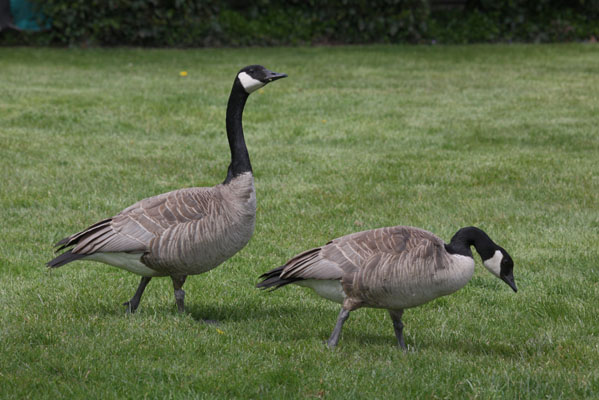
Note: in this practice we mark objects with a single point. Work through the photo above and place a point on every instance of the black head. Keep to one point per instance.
(253, 77)
(502, 266)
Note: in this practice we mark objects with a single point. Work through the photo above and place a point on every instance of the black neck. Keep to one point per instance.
(240, 159)
(471, 236)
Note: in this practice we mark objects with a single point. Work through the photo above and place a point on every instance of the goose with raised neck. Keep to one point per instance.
(187, 231)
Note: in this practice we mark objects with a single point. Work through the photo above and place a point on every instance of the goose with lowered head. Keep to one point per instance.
(393, 268)
(186, 231)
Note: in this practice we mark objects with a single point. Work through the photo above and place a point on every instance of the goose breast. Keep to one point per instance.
(212, 225)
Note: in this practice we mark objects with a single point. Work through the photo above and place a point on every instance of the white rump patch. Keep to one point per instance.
(493, 264)
(249, 84)
(328, 288)
(127, 261)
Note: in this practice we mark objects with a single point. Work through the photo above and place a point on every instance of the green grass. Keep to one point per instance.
(502, 137)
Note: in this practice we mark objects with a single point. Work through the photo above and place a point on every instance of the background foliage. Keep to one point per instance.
(185, 23)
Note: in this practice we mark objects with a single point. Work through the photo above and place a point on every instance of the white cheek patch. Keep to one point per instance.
(493, 264)
(249, 84)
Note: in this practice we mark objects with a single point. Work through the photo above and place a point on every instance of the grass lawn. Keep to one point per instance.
(502, 137)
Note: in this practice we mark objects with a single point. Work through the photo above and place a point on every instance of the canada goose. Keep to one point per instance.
(394, 268)
(187, 231)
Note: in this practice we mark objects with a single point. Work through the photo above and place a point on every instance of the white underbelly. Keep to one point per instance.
(127, 261)
(329, 289)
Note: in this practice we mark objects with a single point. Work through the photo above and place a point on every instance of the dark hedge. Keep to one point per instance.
(185, 23)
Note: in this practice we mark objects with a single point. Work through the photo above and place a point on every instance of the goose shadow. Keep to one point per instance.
(211, 314)
(224, 313)
(288, 331)
(463, 346)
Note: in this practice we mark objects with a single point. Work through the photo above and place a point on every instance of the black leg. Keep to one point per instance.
(178, 282)
(334, 339)
(134, 302)
(398, 327)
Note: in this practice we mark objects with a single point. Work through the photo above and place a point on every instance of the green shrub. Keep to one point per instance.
(516, 20)
(184, 23)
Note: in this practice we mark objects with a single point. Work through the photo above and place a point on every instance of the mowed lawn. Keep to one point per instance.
(504, 137)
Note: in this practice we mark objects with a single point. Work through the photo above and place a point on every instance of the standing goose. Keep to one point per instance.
(394, 268)
(187, 231)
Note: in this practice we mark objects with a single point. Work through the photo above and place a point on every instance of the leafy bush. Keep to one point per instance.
(130, 22)
(235, 23)
(183, 23)
(517, 20)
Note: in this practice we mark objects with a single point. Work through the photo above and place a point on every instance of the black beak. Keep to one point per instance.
(273, 76)
(509, 279)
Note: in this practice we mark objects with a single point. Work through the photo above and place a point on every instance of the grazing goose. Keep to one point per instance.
(394, 268)
(187, 231)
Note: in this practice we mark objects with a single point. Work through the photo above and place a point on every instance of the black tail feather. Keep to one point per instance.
(63, 259)
(272, 279)
(62, 241)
